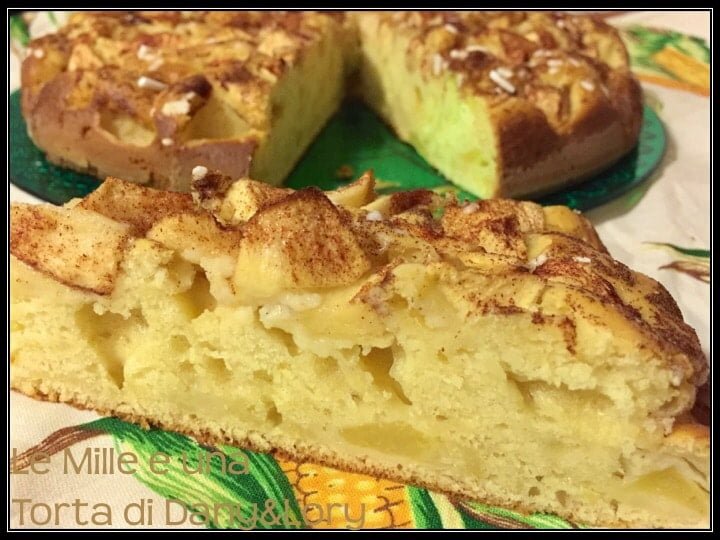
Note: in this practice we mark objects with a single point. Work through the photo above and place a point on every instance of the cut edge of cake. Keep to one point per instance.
(502, 104)
(194, 263)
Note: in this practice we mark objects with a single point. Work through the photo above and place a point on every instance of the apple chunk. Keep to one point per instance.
(300, 242)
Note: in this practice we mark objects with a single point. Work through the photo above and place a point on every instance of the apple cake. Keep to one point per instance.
(491, 350)
(149, 95)
(502, 103)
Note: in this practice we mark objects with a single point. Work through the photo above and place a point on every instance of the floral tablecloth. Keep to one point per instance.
(661, 228)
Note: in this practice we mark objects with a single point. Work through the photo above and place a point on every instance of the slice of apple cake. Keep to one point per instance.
(504, 104)
(148, 95)
(492, 350)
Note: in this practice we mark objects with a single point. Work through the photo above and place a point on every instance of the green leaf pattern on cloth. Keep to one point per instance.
(669, 58)
(694, 262)
(425, 513)
(226, 487)
(688, 252)
(643, 43)
(197, 476)
(19, 31)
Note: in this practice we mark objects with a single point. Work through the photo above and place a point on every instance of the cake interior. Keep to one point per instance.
(464, 404)
(454, 132)
(300, 104)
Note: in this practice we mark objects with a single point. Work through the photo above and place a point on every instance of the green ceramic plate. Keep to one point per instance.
(354, 140)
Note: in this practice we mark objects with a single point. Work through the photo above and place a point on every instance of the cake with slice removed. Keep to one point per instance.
(491, 350)
(149, 95)
(504, 104)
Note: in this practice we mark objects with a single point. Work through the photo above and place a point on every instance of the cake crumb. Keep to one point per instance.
(166, 141)
(199, 172)
(175, 108)
(148, 83)
(155, 64)
(267, 75)
(477, 48)
(537, 262)
(374, 215)
(505, 72)
(459, 54)
(145, 53)
(345, 172)
(437, 65)
(501, 81)
(584, 260)
(470, 208)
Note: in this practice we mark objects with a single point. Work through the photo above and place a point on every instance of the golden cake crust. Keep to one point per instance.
(120, 93)
(321, 244)
(562, 99)
(123, 94)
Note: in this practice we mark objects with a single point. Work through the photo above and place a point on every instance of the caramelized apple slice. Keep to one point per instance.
(300, 242)
(77, 247)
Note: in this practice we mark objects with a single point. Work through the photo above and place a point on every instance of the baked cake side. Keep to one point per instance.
(490, 350)
(149, 95)
(504, 104)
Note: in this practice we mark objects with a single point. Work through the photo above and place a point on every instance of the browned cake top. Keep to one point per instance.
(160, 67)
(560, 63)
(498, 255)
